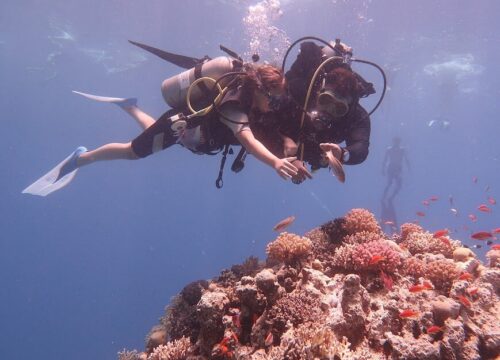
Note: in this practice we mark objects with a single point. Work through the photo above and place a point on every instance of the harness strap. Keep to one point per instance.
(219, 183)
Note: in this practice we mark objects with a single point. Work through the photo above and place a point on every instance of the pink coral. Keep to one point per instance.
(442, 273)
(362, 237)
(358, 220)
(414, 267)
(360, 257)
(175, 350)
(424, 242)
(289, 248)
(410, 228)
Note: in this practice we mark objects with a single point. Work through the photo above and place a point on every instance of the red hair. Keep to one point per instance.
(264, 76)
(343, 82)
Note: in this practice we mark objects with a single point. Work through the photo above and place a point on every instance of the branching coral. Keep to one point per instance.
(175, 350)
(442, 273)
(424, 242)
(362, 237)
(358, 220)
(289, 248)
(128, 355)
(409, 228)
(360, 257)
(414, 267)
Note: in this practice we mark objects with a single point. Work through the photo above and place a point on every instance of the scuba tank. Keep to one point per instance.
(175, 88)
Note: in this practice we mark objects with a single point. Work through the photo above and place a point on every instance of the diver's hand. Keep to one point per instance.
(302, 172)
(284, 168)
(289, 146)
(334, 148)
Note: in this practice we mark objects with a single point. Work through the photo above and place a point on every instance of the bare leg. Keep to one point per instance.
(143, 119)
(113, 151)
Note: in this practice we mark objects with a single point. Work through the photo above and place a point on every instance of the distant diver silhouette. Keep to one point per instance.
(392, 166)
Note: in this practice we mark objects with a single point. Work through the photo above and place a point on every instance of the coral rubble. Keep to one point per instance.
(345, 290)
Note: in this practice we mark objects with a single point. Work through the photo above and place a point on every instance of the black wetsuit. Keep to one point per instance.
(216, 135)
(353, 128)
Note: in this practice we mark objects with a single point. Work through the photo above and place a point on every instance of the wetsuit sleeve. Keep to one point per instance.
(231, 111)
(358, 138)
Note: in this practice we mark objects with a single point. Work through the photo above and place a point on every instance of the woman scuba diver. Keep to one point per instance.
(252, 91)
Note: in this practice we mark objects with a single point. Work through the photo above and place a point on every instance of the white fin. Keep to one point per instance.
(48, 183)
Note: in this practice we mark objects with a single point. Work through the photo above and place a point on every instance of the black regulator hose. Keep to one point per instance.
(385, 82)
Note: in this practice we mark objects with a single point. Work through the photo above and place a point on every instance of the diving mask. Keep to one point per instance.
(275, 101)
(332, 104)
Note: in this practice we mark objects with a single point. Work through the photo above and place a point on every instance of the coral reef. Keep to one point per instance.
(289, 248)
(344, 291)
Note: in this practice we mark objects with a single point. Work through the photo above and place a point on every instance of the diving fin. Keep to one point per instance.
(121, 102)
(182, 61)
(53, 181)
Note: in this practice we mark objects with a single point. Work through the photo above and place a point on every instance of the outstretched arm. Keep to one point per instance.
(283, 167)
(243, 133)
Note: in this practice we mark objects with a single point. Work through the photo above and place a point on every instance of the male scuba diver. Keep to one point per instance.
(392, 167)
(226, 120)
(322, 109)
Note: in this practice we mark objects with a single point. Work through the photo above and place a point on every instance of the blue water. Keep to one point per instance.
(88, 270)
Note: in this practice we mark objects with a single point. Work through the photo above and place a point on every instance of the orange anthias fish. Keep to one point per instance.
(283, 224)
(417, 288)
(434, 329)
(428, 285)
(420, 213)
(426, 202)
(492, 201)
(474, 179)
(473, 217)
(464, 301)
(496, 231)
(387, 280)
(484, 208)
(433, 198)
(376, 259)
(440, 233)
(269, 339)
(481, 235)
(496, 247)
(465, 276)
(408, 313)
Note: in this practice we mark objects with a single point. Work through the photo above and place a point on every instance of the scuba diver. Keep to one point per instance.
(392, 167)
(250, 90)
(322, 109)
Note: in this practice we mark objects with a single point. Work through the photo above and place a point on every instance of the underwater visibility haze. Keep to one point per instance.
(86, 271)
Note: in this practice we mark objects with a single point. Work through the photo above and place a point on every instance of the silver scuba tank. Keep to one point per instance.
(175, 88)
(344, 49)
